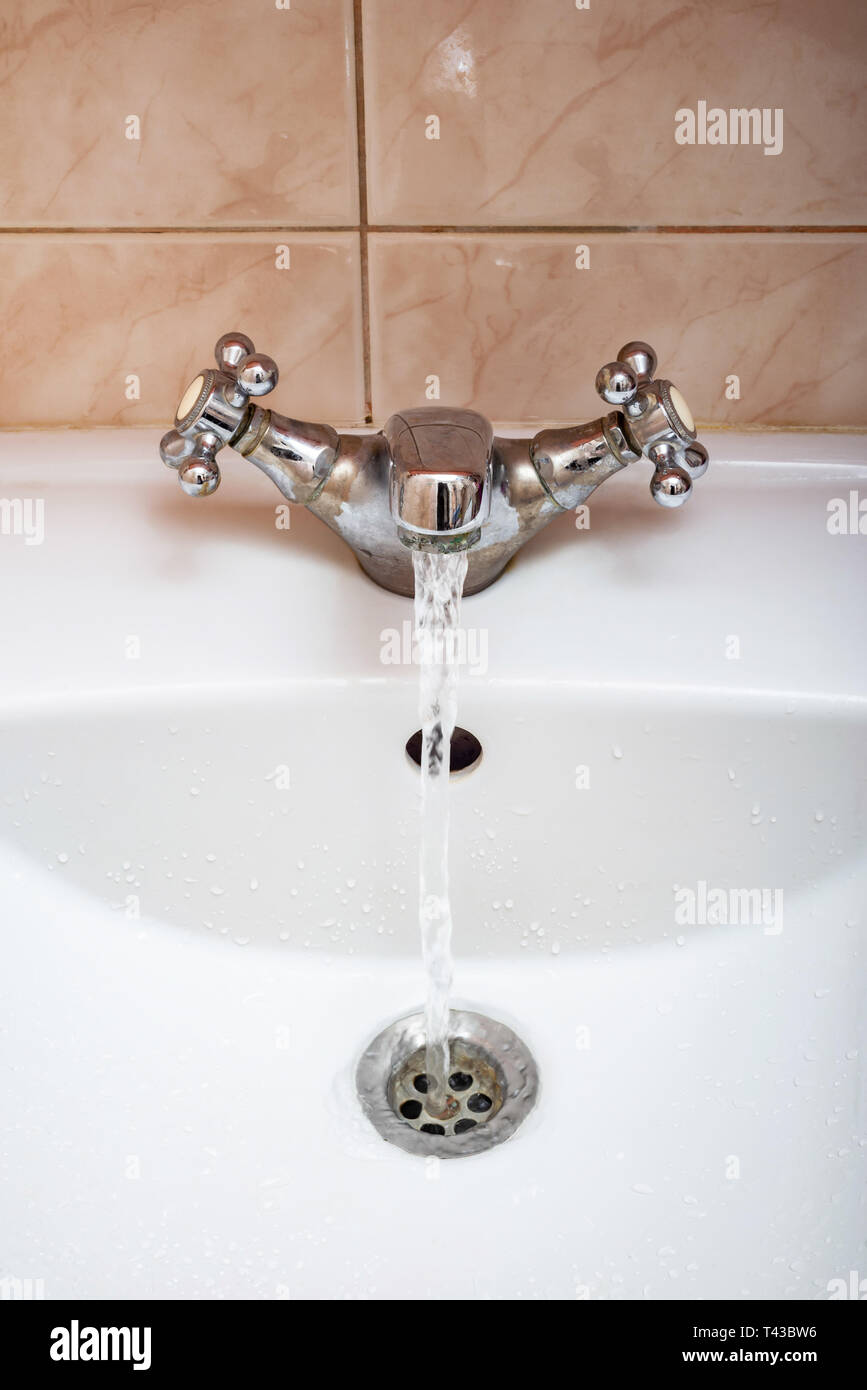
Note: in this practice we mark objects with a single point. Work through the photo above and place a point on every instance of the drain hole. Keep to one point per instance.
(492, 1085)
(475, 1084)
(479, 1103)
(466, 751)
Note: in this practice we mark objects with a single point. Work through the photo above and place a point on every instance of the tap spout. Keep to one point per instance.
(439, 477)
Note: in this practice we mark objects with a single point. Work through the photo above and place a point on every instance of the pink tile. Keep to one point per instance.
(553, 115)
(509, 326)
(246, 112)
(85, 313)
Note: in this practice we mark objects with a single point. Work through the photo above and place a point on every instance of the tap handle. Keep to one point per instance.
(656, 420)
(212, 411)
(254, 373)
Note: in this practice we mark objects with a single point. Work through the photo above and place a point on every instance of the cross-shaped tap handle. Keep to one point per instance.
(212, 409)
(656, 420)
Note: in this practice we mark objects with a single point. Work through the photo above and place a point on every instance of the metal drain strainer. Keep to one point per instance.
(493, 1085)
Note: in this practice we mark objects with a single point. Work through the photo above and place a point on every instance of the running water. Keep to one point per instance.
(439, 583)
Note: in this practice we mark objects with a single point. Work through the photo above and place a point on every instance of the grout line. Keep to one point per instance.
(492, 229)
(260, 229)
(361, 142)
(433, 229)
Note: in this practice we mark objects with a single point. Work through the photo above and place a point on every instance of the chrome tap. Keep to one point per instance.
(434, 478)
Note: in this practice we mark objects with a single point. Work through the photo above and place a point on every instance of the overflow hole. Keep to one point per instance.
(465, 753)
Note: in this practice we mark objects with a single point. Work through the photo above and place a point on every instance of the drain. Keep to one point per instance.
(465, 752)
(474, 1095)
(492, 1086)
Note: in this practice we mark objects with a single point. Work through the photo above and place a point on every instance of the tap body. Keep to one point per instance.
(357, 505)
(434, 478)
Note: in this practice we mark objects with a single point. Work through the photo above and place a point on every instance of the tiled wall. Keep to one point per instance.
(170, 169)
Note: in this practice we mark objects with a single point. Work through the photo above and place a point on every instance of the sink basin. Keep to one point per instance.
(208, 840)
(286, 818)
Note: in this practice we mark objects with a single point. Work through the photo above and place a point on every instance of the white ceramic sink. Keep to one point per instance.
(209, 875)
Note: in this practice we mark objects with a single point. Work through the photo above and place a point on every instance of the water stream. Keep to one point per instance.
(439, 583)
